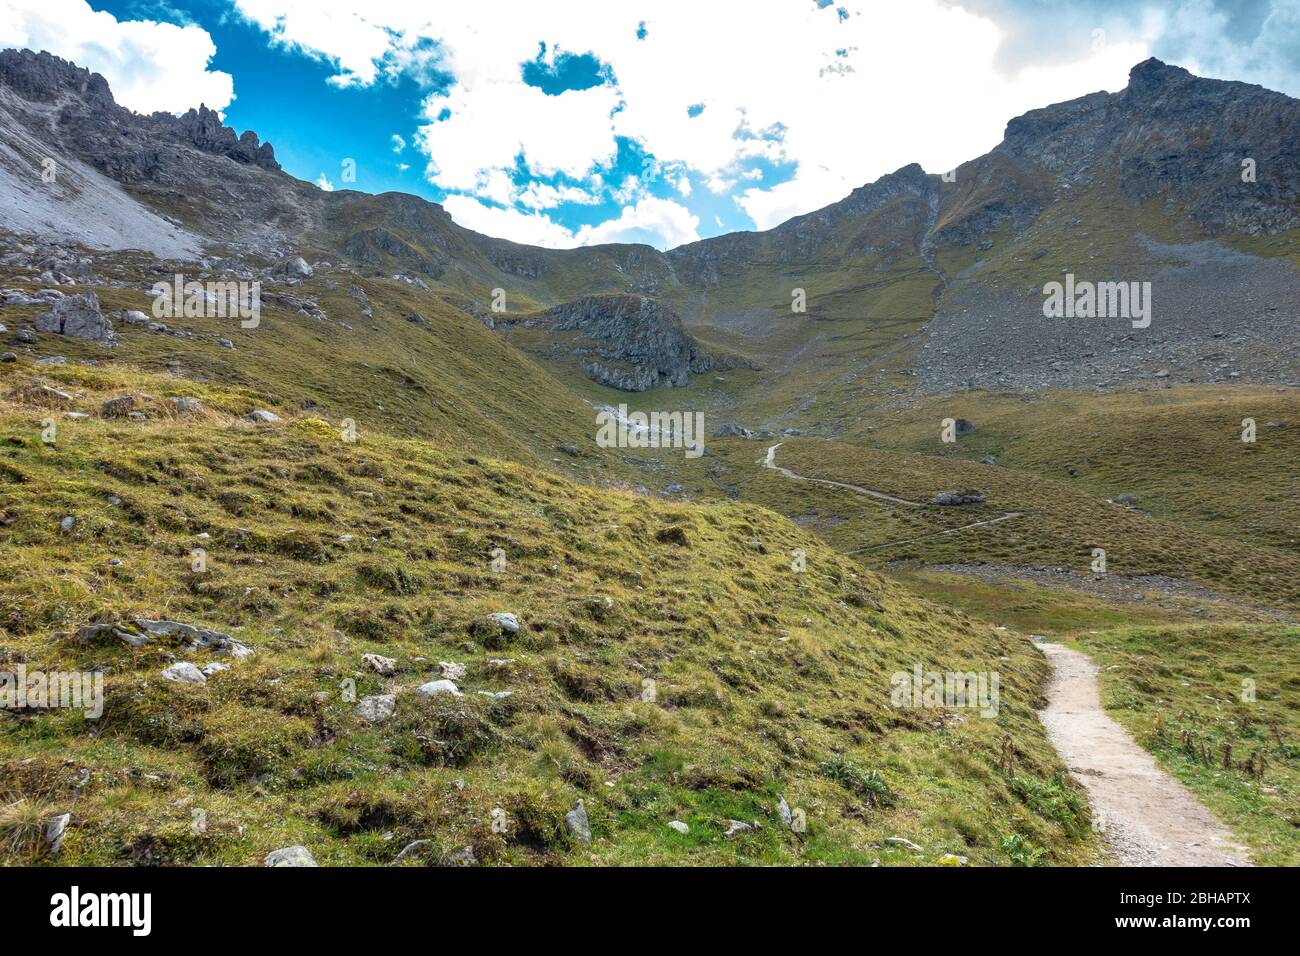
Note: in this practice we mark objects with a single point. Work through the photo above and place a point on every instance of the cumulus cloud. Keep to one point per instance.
(150, 66)
(657, 222)
(532, 228)
(323, 182)
(398, 142)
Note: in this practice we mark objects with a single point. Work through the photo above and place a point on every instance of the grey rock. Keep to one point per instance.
(77, 316)
(507, 621)
(384, 666)
(679, 826)
(578, 823)
(291, 856)
(261, 415)
(629, 342)
(375, 709)
(958, 498)
(55, 829)
(26, 335)
(737, 826)
(118, 407)
(8, 357)
(67, 524)
(183, 672)
(52, 360)
(438, 687)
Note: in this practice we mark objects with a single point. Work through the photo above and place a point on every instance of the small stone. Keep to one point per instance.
(737, 826)
(578, 824)
(52, 360)
(226, 344)
(507, 621)
(384, 666)
(67, 524)
(262, 416)
(216, 667)
(375, 709)
(679, 826)
(55, 828)
(438, 687)
(114, 562)
(183, 672)
(952, 859)
(291, 856)
(907, 844)
(497, 694)
(783, 811)
(452, 671)
(118, 407)
(8, 357)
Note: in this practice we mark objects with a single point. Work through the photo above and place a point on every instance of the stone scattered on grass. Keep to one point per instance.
(737, 826)
(906, 844)
(383, 666)
(578, 824)
(451, 670)
(55, 828)
(375, 709)
(291, 856)
(183, 672)
(438, 687)
(262, 416)
(679, 826)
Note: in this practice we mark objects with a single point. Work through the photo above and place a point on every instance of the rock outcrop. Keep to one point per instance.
(629, 342)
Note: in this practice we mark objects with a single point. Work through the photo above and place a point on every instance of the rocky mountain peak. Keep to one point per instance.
(42, 77)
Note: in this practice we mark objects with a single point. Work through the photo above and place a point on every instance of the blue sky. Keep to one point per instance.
(659, 121)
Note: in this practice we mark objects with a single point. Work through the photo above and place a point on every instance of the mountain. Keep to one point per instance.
(915, 278)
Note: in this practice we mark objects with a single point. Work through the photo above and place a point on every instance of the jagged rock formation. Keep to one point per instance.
(630, 342)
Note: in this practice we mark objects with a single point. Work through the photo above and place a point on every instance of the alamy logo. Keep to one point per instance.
(955, 689)
(618, 428)
(1098, 300)
(208, 300)
(103, 909)
(73, 690)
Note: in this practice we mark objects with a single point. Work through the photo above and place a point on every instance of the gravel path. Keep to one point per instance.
(1146, 816)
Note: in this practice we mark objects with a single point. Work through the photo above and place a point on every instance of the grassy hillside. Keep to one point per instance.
(770, 683)
(1178, 452)
(1182, 693)
(441, 375)
(1057, 523)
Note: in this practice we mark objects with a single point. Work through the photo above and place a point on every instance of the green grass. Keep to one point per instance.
(1183, 693)
(320, 551)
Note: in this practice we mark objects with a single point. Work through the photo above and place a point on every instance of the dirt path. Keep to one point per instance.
(1146, 816)
(770, 462)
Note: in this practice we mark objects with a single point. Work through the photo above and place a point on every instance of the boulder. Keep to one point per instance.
(78, 317)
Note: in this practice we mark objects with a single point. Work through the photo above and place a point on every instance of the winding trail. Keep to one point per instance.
(1146, 816)
(770, 462)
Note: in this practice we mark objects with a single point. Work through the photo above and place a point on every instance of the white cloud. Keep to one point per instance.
(659, 222)
(399, 144)
(532, 228)
(324, 183)
(842, 100)
(150, 66)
